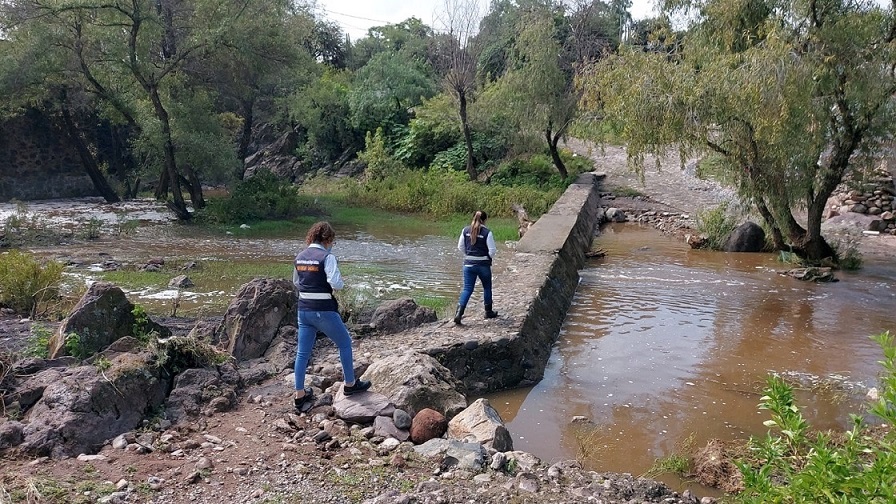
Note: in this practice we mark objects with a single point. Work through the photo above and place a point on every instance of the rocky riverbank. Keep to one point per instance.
(227, 432)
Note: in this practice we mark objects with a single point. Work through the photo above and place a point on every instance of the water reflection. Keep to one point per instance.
(663, 342)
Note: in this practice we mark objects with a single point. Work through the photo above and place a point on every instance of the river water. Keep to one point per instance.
(664, 344)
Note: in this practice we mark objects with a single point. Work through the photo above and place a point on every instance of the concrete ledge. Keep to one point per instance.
(532, 295)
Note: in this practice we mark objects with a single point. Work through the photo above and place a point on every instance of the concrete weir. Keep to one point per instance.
(532, 294)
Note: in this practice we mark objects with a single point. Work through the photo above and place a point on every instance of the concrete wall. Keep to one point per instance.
(532, 294)
(37, 162)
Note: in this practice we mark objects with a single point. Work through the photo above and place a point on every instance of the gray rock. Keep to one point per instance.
(415, 381)
(255, 316)
(78, 409)
(401, 314)
(748, 237)
(468, 456)
(362, 408)
(482, 422)
(180, 282)
(402, 419)
(102, 316)
(384, 426)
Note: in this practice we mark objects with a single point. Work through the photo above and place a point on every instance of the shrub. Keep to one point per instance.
(380, 163)
(794, 464)
(261, 197)
(26, 282)
(716, 224)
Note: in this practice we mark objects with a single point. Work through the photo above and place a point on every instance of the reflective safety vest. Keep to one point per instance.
(478, 252)
(315, 293)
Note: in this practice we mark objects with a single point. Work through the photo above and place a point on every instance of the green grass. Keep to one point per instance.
(208, 273)
(341, 214)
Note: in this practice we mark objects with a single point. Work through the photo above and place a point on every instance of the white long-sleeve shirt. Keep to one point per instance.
(489, 242)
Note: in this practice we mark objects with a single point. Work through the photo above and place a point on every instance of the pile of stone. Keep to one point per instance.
(875, 197)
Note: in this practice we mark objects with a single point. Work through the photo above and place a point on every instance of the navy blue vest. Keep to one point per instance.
(478, 252)
(315, 293)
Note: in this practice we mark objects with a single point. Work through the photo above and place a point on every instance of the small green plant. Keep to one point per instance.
(354, 304)
(74, 346)
(125, 226)
(586, 437)
(794, 464)
(678, 462)
(627, 192)
(263, 196)
(102, 363)
(26, 283)
(512, 466)
(847, 251)
(142, 328)
(379, 162)
(716, 224)
(91, 228)
(38, 344)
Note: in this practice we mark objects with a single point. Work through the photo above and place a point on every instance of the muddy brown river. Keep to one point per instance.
(662, 344)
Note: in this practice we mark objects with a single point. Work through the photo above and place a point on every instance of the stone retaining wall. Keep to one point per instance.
(36, 162)
(532, 294)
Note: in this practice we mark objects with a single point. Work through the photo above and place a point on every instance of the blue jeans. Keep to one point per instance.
(471, 273)
(329, 323)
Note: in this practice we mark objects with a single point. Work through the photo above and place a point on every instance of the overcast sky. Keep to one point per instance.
(356, 16)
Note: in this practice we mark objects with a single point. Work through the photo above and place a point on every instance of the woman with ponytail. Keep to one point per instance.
(477, 244)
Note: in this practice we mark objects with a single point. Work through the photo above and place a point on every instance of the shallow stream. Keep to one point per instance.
(663, 344)
(666, 346)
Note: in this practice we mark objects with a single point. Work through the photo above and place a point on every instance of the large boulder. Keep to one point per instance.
(203, 391)
(76, 410)
(414, 381)
(401, 314)
(255, 316)
(102, 315)
(483, 423)
(748, 237)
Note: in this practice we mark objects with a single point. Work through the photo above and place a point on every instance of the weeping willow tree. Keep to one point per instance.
(793, 95)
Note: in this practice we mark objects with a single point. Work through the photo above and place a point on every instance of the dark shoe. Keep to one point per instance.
(458, 314)
(305, 403)
(359, 386)
(489, 313)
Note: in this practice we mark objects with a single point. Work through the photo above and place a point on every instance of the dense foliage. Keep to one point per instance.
(174, 95)
(792, 97)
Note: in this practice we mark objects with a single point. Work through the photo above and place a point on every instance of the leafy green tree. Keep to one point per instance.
(133, 56)
(269, 54)
(410, 37)
(386, 89)
(794, 96)
(457, 64)
(322, 109)
(537, 90)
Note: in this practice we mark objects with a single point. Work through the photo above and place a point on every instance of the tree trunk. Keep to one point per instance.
(555, 154)
(468, 135)
(177, 203)
(88, 161)
(246, 132)
(195, 188)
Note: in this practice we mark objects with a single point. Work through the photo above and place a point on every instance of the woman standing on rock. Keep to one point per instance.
(316, 276)
(477, 243)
